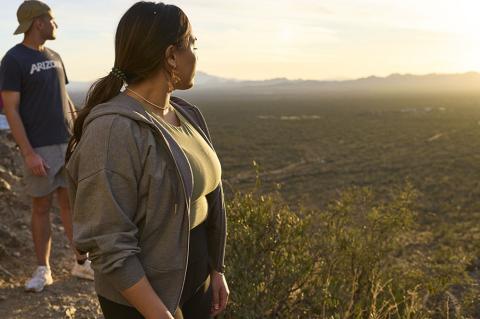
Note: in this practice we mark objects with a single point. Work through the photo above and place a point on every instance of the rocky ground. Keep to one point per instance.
(68, 297)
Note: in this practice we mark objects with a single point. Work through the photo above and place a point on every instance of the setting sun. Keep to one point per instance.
(285, 34)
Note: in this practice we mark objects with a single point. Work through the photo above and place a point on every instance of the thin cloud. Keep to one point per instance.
(283, 38)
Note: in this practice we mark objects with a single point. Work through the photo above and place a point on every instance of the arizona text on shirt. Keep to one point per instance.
(45, 65)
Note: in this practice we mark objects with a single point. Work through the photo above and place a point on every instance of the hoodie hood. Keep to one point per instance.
(125, 105)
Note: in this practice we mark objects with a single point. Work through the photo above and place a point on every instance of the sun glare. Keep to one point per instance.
(285, 34)
(466, 25)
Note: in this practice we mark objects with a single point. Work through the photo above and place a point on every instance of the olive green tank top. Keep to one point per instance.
(203, 160)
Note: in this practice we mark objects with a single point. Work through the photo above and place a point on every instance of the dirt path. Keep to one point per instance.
(68, 297)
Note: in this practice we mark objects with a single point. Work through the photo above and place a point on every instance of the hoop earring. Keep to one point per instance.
(174, 80)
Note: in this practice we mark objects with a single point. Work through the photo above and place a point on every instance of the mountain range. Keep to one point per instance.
(430, 83)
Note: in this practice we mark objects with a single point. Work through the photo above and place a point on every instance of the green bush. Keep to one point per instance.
(359, 238)
(270, 258)
(350, 260)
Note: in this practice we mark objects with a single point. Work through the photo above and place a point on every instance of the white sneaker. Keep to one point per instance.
(84, 271)
(41, 277)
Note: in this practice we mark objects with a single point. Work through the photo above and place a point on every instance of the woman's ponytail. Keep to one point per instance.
(101, 91)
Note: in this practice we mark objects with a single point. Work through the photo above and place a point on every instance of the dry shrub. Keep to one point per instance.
(350, 260)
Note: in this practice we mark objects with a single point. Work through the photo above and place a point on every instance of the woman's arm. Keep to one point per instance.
(142, 296)
(216, 236)
(103, 181)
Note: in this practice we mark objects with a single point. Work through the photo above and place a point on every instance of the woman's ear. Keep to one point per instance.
(170, 56)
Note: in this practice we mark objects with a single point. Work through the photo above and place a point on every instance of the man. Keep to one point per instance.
(40, 114)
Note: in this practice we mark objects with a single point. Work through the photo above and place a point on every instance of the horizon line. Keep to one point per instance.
(322, 80)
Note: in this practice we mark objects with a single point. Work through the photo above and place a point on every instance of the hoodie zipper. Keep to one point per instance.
(187, 205)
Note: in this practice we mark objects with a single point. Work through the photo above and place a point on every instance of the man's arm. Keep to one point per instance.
(73, 109)
(11, 103)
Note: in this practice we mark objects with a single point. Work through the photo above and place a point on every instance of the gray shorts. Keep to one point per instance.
(39, 186)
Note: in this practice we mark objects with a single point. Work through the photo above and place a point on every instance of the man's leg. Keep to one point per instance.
(42, 240)
(64, 205)
(41, 233)
(82, 267)
(66, 217)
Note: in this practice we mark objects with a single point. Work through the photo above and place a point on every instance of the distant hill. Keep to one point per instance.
(395, 83)
(202, 79)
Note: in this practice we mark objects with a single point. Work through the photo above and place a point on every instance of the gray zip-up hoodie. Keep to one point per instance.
(130, 187)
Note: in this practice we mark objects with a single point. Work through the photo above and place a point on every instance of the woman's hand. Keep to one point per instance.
(220, 292)
(163, 315)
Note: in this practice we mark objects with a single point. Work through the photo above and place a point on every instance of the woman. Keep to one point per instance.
(144, 179)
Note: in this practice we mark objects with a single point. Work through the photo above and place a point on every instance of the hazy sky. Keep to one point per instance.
(309, 39)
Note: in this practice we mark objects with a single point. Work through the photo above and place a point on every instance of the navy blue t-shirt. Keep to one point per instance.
(40, 78)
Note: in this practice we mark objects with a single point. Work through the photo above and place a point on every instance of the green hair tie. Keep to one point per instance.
(118, 73)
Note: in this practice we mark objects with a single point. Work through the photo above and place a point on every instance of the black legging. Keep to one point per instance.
(197, 293)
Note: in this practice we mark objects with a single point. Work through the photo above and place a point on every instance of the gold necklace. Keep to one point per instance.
(149, 102)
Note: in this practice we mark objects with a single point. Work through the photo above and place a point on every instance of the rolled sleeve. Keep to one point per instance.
(128, 274)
